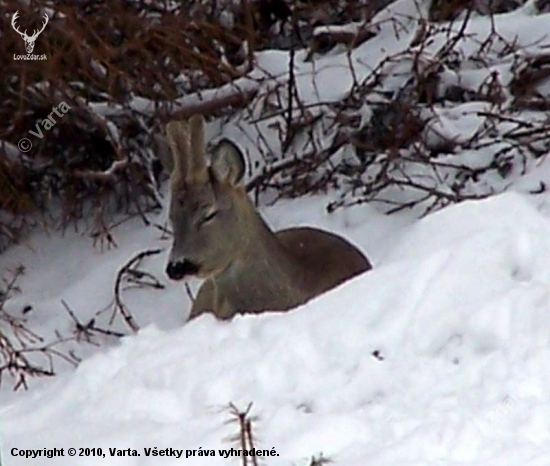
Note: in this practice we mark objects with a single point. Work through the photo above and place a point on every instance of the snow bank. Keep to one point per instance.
(458, 312)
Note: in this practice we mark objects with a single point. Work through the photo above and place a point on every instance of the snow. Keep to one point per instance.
(438, 356)
(458, 124)
(457, 307)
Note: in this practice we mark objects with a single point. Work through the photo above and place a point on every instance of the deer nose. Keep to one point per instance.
(178, 270)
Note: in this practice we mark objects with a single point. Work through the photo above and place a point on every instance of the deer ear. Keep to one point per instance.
(228, 163)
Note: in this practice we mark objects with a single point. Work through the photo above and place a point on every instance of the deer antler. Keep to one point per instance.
(15, 16)
(24, 34)
(36, 33)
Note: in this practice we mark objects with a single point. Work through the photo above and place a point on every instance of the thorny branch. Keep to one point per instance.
(22, 350)
(132, 274)
(245, 436)
(398, 157)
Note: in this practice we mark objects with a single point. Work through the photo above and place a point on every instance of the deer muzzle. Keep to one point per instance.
(180, 269)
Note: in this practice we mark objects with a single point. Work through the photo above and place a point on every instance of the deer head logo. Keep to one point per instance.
(29, 40)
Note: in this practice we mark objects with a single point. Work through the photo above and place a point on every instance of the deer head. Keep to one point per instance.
(29, 40)
(208, 209)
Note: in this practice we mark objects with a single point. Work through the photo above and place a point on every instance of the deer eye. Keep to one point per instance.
(209, 216)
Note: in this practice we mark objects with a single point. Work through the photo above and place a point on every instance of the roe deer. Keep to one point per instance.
(220, 236)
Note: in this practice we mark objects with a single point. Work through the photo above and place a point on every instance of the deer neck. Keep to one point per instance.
(264, 271)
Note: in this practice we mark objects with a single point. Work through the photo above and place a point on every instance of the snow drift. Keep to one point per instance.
(437, 356)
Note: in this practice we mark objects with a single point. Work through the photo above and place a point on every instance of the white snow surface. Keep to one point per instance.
(458, 307)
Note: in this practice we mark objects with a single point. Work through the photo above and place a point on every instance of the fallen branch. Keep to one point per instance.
(88, 329)
(209, 102)
(351, 35)
(105, 176)
(128, 269)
